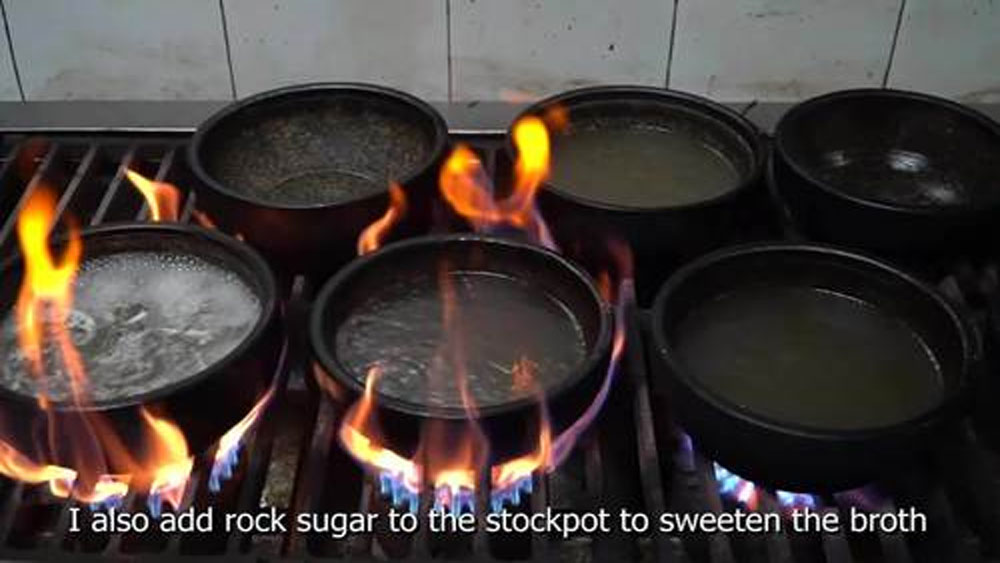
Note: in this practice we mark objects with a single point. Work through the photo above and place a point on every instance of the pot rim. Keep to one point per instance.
(782, 150)
(195, 147)
(239, 250)
(332, 366)
(739, 124)
(949, 401)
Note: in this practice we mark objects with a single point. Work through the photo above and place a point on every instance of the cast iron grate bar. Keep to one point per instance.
(112, 188)
(633, 459)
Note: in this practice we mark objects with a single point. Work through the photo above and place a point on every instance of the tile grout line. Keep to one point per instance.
(895, 40)
(451, 76)
(670, 45)
(229, 54)
(10, 48)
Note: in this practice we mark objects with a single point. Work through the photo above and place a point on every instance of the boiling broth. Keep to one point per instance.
(141, 321)
(640, 167)
(497, 321)
(809, 357)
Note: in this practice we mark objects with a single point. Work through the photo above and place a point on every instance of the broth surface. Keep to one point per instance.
(809, 357)
(497, 321)
(141, 321)
(896, 177)
(640, 167)
(317, 151)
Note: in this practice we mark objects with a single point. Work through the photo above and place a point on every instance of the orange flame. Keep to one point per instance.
(203, 219)
(372, 237)
(550, 453)
(106, 487)
(556, 117)
(453, 452)
(232, 439)
(162, 198)
(169, 464)
(46, 295)
(43, 307)
(467, 190)
(15, 464)
(450, 452)
(506, 475)
(623, 296)
(533, 153)
(354, 437)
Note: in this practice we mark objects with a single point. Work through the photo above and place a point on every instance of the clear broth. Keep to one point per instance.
(809, 357)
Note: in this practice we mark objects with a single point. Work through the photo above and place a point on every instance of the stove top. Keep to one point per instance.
(634, 458)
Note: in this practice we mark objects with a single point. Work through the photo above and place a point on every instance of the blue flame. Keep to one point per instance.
(155, 504)
(511, 495)
(222, 470)
(795, 500)
(728, 481)
(112, 502)
(395, 488)
(735, 487)
(739, 489)
(456, 501)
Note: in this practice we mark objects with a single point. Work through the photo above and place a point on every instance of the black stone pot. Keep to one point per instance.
(906, 175)
(801, 457)
(264, 166)
(661, 238)
(511, 428)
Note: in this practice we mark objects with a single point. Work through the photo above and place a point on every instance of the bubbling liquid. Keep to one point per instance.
(141, 321)
(498, 321)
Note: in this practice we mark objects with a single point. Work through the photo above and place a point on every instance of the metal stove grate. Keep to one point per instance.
(633, 458)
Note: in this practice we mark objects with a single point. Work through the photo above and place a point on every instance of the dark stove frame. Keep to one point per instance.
(630, 459)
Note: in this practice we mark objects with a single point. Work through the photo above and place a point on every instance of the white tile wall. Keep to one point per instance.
(529, 48)
(950, 48)
(732, 50)
(781, 49)
(400, 44)
(8, 79)
(115, 49)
